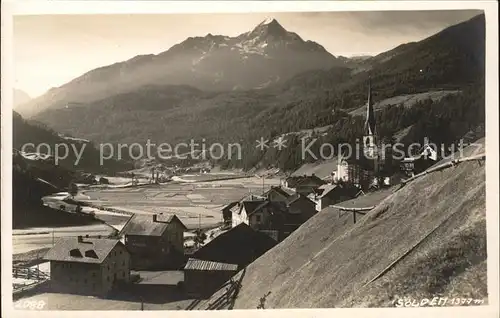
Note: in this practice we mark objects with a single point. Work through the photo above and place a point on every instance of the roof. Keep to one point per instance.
(280, 190)
(240, 245)
(422, 156)
(252, 197)
(293, 180)
(288, 191)
(251, 206)
(230, 205)
(365, 200)
(410, 159)
(322, 168)
(276, 205)
(89, 250)
(295, 198)
(425, 152)
(313, 179)
(142, 224)
(201, 265)
(326, 189)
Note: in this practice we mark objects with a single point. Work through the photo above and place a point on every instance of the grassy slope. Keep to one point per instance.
(328, 261)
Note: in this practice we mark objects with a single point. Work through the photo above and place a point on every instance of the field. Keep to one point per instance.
(196, 203)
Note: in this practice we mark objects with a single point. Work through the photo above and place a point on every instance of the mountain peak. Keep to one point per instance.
(269, 21)
(269, 26)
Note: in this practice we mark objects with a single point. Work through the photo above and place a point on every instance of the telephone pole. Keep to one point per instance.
(263, 188)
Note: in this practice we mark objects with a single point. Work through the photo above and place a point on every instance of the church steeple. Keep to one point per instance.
(370, 114)
(369, 139)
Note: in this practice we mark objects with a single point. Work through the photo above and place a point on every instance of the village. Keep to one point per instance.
(154, 256)
(298, 159)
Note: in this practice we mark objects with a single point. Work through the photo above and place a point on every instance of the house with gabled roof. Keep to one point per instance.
(426, 157)
(90, 266)
(299, 204)
(155, 241)
(329, 194)
(240, 245)
(276, 218)
(240, 213)
(278, 193)
(227, 212)
(304, 184)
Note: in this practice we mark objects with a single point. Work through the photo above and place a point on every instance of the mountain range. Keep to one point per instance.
(256, 59)
(20, 97)
(265, 82)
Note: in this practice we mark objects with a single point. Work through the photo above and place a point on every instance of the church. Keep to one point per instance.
(362, 167)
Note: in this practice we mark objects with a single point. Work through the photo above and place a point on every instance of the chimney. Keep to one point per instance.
(80, 239)
(155, 218)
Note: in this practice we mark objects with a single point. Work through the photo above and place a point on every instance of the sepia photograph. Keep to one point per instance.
(249, 160)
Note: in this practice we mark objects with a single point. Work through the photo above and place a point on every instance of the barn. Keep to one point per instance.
(203, 278)
(240, 245)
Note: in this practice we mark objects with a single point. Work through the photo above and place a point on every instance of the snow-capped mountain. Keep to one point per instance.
(256, 59)
(265, 39)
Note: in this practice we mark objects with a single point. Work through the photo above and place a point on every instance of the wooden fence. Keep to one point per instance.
(445, 165)
(228, 296)
(37, 276)
(28, 273)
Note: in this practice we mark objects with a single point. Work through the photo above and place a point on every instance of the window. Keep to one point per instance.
(85, 281)
(258, 218)
(91, 253)
(75, 253)
(123, 263)
(123, 274)
(108, 278)
(93, 274)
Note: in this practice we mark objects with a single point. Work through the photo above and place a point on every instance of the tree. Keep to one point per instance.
(73, 189)
(200, 238)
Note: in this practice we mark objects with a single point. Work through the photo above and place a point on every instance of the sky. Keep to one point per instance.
(51, 50)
